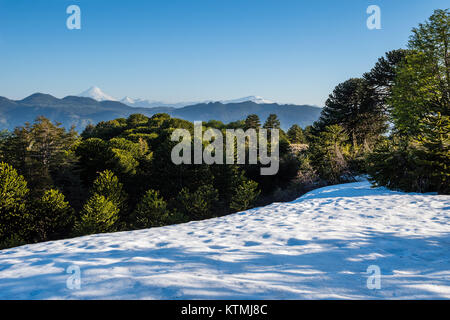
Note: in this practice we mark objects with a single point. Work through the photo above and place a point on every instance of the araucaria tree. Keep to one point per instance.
(420, 109)
(14, 218)
(354, 106)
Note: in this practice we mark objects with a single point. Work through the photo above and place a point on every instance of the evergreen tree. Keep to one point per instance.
(422, 85)
(382, 76)
(295, 135)
(245, 196)
(108, 185)
(420, 108)
(252, 121)
(199, 204)
(99, 215)
(353, 105)
(14, 218)
(41, 152)
(53, 217)
(394, 165)
(434, 152)
(4, 135)
(272, 122)
(329, 155)
(151, 211)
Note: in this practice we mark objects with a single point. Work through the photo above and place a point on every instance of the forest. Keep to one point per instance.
(392, 125)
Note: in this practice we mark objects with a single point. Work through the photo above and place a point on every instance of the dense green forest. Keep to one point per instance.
(391, 124)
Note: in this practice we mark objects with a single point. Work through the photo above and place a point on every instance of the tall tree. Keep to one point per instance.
(329, 154)
(252, 121)
(152, 211)
(53, 217)
(353, 105)
(422, 85)
(382, 76)
(14, 215)
(420, 106)
(199, 204)
(272, 122)
(99, 215)
(41, 151)
(295, 135)
(245, 196)
(108, 186)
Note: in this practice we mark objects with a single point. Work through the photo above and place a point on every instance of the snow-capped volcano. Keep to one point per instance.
(97, 94)
(128, 100)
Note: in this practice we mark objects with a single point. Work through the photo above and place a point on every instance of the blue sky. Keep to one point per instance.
(290, 51)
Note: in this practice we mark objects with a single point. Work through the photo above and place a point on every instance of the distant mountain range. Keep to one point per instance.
(97, 94)
(80, 111)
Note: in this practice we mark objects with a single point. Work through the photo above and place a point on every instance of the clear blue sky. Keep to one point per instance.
(285, 50)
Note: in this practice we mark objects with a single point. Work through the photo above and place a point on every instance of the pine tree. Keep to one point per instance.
(382, 76)
(4, 135)
(417, 156)
(99, 215)
(434, 152)
(245, 196)
(151, 211)
(353, 105)
(199, 204)
(108, 185)
(422, 85)
(252, 121)
(14, 218)
(52, 215)
(41, 152)
(295, 135)
(272, 122)
(329, 154)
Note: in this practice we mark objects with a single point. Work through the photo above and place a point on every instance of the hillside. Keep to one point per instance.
(318, 246)
(80, 111)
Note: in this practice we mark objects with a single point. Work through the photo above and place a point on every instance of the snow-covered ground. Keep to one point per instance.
(317, 247)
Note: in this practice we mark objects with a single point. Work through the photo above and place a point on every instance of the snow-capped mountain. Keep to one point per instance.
(143, 103)
(128, 100)
(97, 94)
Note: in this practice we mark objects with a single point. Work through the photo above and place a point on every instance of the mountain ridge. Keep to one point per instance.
(80, 111)
(98, 94)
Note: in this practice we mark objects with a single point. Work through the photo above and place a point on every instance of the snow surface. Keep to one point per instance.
(317, 247)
